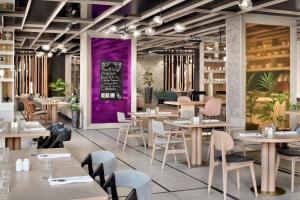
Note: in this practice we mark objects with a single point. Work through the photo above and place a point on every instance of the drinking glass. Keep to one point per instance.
(4, 181)
(33, 145)
(46, 166)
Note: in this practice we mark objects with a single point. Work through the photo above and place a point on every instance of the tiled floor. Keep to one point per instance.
(177, 181)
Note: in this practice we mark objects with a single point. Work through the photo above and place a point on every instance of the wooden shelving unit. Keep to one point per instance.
(7, 94)
(75, 74)
(212, 67)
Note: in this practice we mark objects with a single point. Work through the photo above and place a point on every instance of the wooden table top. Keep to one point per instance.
(23, 132)
(30, 185)
(275, 138)
(197, 125)
(156, 115)
(188, 103)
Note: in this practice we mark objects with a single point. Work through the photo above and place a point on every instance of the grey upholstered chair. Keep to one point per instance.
(106, 164)
(139, 182)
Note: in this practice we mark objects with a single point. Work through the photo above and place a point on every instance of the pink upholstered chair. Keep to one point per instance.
(212, 108)
(183, 99)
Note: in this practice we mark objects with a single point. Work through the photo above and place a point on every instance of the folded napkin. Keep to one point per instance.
(69, 180)
(34, 123)
(53, 155)
(182, 122)
(286, 132)
(34, 129)
(250, 135)
(165, 113)
(209, 120)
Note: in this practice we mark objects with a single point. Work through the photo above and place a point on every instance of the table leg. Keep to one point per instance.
(150, 133)
(17, 143)
(9, 142)
(272, 159)
(54, 113)
(264, 166)
(199, 146)
(194, 146)
(49, 111)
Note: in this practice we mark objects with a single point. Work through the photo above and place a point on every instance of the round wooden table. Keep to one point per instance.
(268, 160)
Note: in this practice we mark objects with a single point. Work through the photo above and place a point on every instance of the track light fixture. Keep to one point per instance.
(158, 20)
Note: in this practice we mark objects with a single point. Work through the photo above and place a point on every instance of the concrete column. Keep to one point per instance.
(68, 74)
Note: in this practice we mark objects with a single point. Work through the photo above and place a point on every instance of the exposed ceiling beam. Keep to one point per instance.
(51, 17)
(107, 24)
(99, 2)
(206, 29)
(222, 7)
(59, 35)
(287, 12)
(13, 14)
(49, 30)
(26, 13)
(71, 19)
(263, 5)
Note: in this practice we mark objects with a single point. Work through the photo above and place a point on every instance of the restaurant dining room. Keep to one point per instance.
(149, 100)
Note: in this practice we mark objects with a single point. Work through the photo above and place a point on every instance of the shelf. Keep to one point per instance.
(10, 80)
(215, 71)
(215, 82)
(214, 61)
(7, 53)
(7, 66)
(269, 69)
(215, 51)
(6, 42)
(269, 57)
(273, 48)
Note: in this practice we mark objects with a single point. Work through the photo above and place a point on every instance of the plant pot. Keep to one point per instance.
(148, 95)
(160, 101)
(251, 126)
(75, 119)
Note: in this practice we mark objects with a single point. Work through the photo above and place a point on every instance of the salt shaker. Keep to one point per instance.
(19, 165)
(26, 165)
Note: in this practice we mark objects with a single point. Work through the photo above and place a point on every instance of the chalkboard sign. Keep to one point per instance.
(111, 80)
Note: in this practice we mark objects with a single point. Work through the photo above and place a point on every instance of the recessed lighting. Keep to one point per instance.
(113, 29)
(46, 47)
(137, 33)
(179, 28)
(245, 5)
(149, 31)
(158, 20)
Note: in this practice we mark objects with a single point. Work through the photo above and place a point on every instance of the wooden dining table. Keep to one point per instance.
(196, 157)
(268, 159)
(51, 107)
(150, 118)
(13, 136)
(31, 185)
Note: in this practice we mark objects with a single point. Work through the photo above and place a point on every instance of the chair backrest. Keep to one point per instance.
(65, 132)
(158, 127)
(186, 114)
(170, 95)
(107, 158)
(222, 141)
(54, 127)
(121, 117)
(183, 99)
(213, 107)
(136, 180)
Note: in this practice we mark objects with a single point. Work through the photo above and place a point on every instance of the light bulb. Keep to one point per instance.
(46, 47)
(124, 36)
(137, 33)
(245, 5)
(50, 55)
(158, 20)
(113, 29)
(149, 31)
(179, 28)
(106, 31)
(64, 50)
(60, 46)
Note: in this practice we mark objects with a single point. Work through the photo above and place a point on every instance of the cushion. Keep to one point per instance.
(234, 158)
(289, 152)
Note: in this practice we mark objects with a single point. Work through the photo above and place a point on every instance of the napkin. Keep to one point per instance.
(182, 122)
(165, 113)
(210, 120)
(285, 132)
(34, 129)
(53, 155)
(69, 180)
(250, 135)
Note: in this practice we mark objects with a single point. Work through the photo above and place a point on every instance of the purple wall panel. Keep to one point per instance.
(110, 50)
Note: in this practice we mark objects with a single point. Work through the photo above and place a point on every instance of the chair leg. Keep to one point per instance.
(173, 148)
(125, 141)
(277, 165)
(143, 137)
(293, 174)
(186, 151)
(153, 150)
(253, 179)
(238, 182)
(119, 134)
(224, 183)
(166, 151)
(210, 176)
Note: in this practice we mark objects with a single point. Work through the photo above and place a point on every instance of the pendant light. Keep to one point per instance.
(125, 35)
(149, 31)
(245, 5)
(158, 20)
(136, 33)
(179, 27)
(113, 29)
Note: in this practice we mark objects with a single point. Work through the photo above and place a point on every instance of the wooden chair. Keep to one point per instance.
(292, 155)
(127, 127)
(32, 114)
(167, 139)
(223, 142)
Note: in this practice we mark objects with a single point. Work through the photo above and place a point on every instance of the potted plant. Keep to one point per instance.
(148, 82)
(160, 96)
(58, 87)
(251, 102)
(75, 108)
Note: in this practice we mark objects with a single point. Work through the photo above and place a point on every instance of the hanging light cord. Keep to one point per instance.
(125, 22)
(160, 8)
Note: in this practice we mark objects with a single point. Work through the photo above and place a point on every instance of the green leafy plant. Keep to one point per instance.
(294, 107)
(251, 99)
(266, 81)
(148, 78)
(75, 107)
(58, 87)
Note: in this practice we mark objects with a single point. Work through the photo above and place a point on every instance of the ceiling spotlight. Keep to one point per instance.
(125, 36)
(113, 29)
(179, 28)
(64, 50)
(131, 27)
(60, 46)
(149, 31)
(50, 55)
(158, 20)
(245, 5)
(46, 47)
(137, 33)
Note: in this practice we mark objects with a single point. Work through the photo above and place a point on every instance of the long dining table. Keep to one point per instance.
(268, 158)
(196, 157)
(31, 185)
